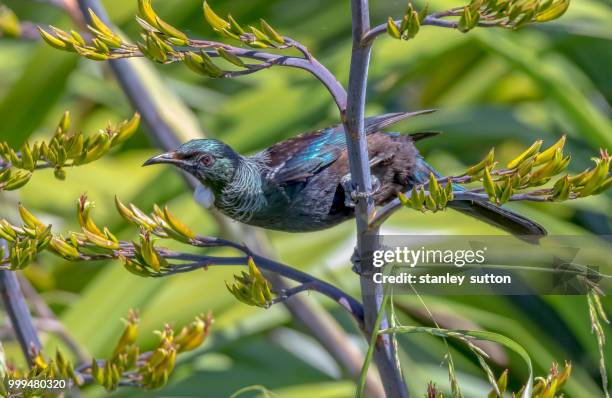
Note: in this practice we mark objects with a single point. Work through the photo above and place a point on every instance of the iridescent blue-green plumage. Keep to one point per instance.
(298, 185)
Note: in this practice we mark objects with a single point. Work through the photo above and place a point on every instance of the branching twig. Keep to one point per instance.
(307, 63)
(525, 178)
(431, 20)
(323, 327)
(144, 258)
(504, 14)
(286, 294)
(171, 45)
(308, 281)
(381, 215)
(195, 262)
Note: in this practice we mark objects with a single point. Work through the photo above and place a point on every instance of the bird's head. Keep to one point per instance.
(212, 162)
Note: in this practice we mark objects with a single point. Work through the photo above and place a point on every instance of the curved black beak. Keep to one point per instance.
(169, 157)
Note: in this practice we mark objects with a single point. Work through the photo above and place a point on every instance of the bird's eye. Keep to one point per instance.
(207, 160)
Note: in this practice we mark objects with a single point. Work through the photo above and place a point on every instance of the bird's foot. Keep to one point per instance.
(349, 189)
(351, 194)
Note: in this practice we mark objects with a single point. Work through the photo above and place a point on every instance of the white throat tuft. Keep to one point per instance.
(204, 196)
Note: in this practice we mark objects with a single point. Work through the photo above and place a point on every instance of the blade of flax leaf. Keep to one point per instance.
(481, 335)
(46, 72)
(499, 316)
(589, 121)
(477, 334)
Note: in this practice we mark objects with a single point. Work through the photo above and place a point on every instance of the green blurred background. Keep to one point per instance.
(493, 88)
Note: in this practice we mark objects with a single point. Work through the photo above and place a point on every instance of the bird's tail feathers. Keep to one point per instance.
(377, 123)
(423, 135)
(511, 222)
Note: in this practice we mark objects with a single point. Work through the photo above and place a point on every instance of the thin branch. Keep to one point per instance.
(173, 53)
(250, 69)
(431, 20)
(17, 309)
(191, 262)
(346, 301)
(285, 294)
(308, 63)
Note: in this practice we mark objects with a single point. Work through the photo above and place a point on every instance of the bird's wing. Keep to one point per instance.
(300, 157)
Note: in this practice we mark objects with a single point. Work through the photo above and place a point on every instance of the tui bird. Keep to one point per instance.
(303, 184)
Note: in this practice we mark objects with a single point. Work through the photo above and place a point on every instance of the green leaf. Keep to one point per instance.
(181, 38)
(228, 56)
(486, 162)
(531, 151)
(489, 186)
(372, 346)
(146, 12)
(412, 27)
(215, 21)
(502, 385)
(46, 72)
(101, 26)
(469, 19)
(54, 41)
(392, 29)
(550, 152)
(556, 10)
(479, 335)
(586, 119)
(271, 33)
